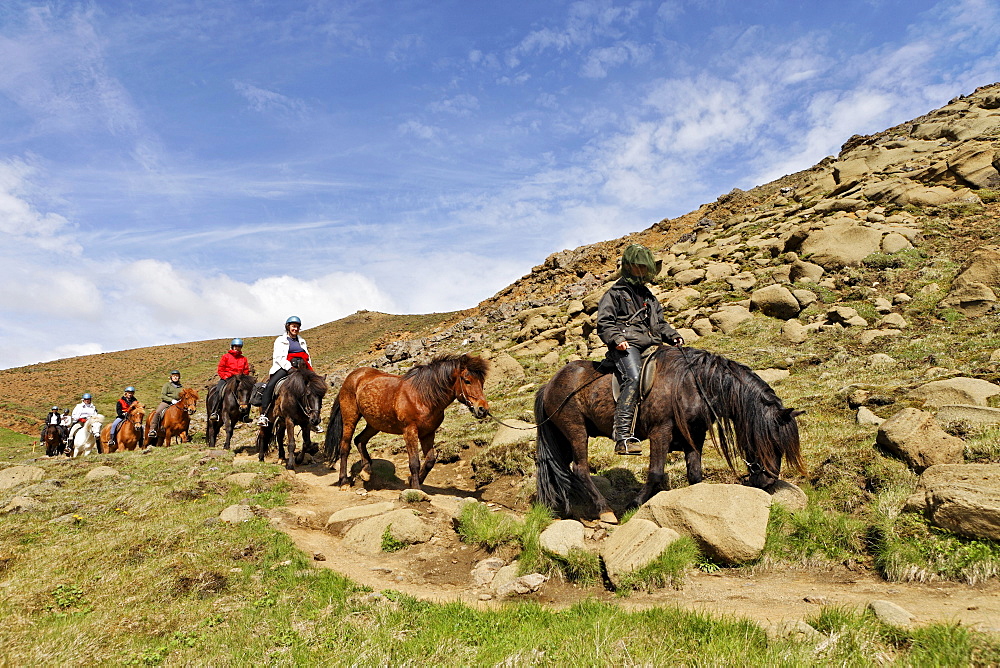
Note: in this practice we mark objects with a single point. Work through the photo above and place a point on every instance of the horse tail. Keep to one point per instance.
(553, 458)
(334, 429)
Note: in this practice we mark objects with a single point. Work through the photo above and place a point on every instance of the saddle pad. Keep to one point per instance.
(646, 375)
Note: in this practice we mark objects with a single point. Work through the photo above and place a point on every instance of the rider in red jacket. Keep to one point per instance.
(233, 363)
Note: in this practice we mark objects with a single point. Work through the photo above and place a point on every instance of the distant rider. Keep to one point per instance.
(122, 409)
(232, 363)
(288, 347)
(630, 320)
(170, 394)
(83, 410)
(52, 418)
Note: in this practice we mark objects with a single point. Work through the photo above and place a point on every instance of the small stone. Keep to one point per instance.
(891, 614)
(319, 556)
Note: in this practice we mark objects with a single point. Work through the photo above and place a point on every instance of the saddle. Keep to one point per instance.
(646, 375)
(257, 396)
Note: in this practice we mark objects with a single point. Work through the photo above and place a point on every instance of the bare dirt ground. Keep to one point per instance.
(440, 570)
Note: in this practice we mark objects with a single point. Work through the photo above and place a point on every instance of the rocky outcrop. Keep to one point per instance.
(634, 545)
(729, 522)
(915, 437)
(962, 498)
(972, 391)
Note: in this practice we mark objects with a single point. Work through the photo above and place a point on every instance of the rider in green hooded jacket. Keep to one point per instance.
(629, 320)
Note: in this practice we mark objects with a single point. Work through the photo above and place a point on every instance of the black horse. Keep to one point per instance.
(232, 406)
(297, 402)
(693, 389)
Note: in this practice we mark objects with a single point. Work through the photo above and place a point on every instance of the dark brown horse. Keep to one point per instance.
(53, 440)
(412, 405)
(129, 434)
(233, 406)
(693, 389)
(176, 420)
(297, 402)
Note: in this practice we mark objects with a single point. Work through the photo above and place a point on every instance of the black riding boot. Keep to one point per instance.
(627, 365)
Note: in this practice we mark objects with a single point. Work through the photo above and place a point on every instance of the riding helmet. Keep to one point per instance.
(86, 395)
(130, 389)
(294, 319)
(55, 408)
(175, 372)
(236, 342)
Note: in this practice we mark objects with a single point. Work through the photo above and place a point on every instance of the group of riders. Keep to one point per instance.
(289, 351)
(629, 321)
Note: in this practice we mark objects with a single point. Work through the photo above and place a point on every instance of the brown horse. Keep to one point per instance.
(129, 434)
(232, 406)
(412, 405)
(53, 440)
(298, 402)
(693, 389)
(175, 421)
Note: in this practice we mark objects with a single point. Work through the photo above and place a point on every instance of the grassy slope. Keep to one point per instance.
(137, 570)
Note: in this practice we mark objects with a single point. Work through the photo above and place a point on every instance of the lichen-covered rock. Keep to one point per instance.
(917, 439)
(962, 498)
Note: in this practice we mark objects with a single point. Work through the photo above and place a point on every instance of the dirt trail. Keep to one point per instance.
(440, 570)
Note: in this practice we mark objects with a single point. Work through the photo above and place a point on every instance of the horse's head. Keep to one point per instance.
(94, 424)
(242, 391)
(188, 400)
(470, 374)
(136, 414)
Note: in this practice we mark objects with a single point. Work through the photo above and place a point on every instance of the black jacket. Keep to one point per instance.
(631, 313)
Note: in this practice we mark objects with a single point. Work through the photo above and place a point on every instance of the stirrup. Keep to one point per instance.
(629, 445)
(262, 421)
(214, 417)
(317, 428)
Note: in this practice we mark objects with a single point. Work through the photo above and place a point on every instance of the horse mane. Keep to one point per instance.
(187, 392)
(746, 410)
(303, 381)
(433, 379)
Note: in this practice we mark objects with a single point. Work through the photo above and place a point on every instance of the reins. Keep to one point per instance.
(554, 413)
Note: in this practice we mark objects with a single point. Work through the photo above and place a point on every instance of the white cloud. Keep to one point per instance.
(419, 130)
(459, 105)
(269, 102)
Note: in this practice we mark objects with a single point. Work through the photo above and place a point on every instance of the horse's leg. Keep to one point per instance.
(692, 454)
(412, 439)
(307, 446)
(290, 436)
(350, 416)
(229, 426)
(660, 439)
(361, 441)
(430, 455)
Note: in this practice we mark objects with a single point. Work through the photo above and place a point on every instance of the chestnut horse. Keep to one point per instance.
(412, 405)
(53, 440)
(129, 434)
(175, 421)
(233, 406)
(692, 390)
(297, 402)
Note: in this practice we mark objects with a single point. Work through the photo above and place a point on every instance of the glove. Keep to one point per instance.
(174, 401)
(676, 341)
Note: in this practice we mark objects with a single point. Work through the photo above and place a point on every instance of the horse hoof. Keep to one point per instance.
(346, 487)
(609, 517)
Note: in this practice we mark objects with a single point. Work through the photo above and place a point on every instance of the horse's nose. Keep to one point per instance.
(480, 411)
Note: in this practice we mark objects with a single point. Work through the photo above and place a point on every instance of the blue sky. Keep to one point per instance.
(183, 170)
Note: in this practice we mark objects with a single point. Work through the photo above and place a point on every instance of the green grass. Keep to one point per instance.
(667, 570)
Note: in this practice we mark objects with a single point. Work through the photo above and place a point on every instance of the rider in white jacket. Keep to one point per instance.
(287, 347)
(85, 409)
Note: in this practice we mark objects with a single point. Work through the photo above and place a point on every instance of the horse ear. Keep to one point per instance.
(795, 413)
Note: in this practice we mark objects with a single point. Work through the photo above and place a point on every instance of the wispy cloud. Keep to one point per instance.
(270, 102)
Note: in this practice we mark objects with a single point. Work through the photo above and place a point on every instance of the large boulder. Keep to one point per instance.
(841, 244)
(403, 525)
(805, 272)
(634, 545)
(561, 537)
(13, 476)
(344, 518)
(729, 522)
(982, 266)
(728, 318)
(917, 439)
(963, 498)
(775, 301)
(504, 369)
(961, 390)
(971, 299)
(970, 414)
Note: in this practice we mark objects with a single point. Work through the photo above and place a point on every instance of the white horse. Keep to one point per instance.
(85, 439)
